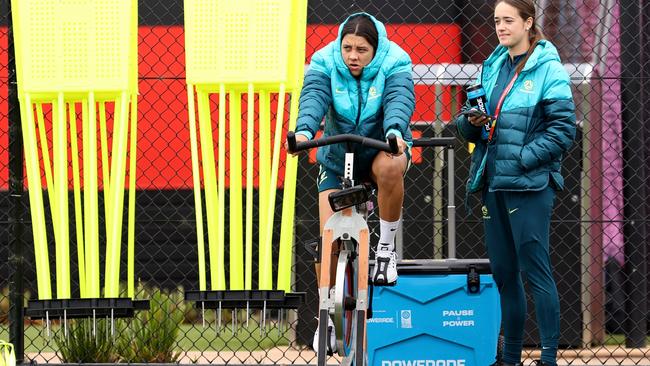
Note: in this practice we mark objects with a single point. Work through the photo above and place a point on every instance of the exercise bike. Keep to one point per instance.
(348, 231)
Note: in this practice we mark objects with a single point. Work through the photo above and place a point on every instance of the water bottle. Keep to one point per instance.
(478, 100)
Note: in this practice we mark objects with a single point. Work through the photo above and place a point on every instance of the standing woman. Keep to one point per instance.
(516, 167)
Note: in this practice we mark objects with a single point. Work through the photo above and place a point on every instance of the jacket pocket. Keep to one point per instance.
(520, 160)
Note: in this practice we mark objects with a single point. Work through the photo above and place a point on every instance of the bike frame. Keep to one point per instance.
(350, 226)
(347, 226)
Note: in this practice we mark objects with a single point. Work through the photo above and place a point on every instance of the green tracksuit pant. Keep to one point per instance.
(517, 228)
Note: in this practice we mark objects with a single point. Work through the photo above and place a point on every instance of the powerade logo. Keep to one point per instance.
(381, 320)
(423, 363)
(480, 105)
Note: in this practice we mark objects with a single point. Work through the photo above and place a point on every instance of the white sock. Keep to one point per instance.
(387, 231)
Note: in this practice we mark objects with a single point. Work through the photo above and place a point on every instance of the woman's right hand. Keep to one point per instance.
(477, 121)
(299, 138)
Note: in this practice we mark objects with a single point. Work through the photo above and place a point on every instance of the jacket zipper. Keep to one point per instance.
(360, 100)
(504, 102)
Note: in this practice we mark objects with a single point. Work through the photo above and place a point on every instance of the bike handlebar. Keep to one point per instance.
(390, 146)
(435, 141)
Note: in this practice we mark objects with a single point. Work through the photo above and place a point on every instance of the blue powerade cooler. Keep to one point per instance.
(440, 313)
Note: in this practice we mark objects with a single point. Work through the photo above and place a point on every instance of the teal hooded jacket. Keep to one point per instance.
(375, 105)
(535, 128)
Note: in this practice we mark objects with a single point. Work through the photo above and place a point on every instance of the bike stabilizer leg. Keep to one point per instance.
(322, 337)
(360, 354)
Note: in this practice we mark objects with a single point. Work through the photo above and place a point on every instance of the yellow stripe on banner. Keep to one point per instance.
(76, 181)
(47, 164)
(91, 205)
(62, 236)
(47, 168)
(210, 182)
(132, 187)
(266, 275)
(250, 149)
(196, 180)
(35, 200)
(118, 169)
(221, 237)
(236, 215)
(264, 163)
(285, 256)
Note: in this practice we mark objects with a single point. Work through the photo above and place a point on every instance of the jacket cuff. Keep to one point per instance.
(395, 132)
(306, 134)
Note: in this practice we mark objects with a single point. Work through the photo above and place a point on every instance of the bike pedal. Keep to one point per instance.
(313, 248)
(382, 283)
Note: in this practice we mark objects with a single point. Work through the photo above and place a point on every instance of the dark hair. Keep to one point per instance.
(361, 25)
(526, 9)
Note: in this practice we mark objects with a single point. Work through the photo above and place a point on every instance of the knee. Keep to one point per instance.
(541, 283)
(387, 170)
(537, 269)
(504, 274)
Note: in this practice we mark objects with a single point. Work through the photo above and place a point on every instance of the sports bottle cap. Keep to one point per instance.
(474, 87)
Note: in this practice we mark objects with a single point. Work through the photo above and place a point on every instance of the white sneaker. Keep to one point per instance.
(385, 270)
(331, 347)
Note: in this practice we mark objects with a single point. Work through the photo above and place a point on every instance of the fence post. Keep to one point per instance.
(633, 175)
(16, 223)
(645, 89)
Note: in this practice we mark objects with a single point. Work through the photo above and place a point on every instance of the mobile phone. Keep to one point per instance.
(473, 112)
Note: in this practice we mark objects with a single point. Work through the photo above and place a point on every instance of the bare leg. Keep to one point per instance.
(388, 174)
(324, 209)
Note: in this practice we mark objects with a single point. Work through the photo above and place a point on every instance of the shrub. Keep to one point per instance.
(81, 345)
(148, 337)
(151, 335)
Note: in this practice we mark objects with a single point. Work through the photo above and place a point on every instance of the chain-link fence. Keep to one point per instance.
(599, 243)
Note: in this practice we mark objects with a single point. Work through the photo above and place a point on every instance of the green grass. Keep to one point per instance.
(196, 338)
(191, 338)
(618, 340)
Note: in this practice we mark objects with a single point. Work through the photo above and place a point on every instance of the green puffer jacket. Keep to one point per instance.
(379, 103)
(535, 128)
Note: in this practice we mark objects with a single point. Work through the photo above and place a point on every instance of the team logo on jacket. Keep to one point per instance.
(528, 86)
(372, 93)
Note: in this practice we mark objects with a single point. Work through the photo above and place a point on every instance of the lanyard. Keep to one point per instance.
(499, 104)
